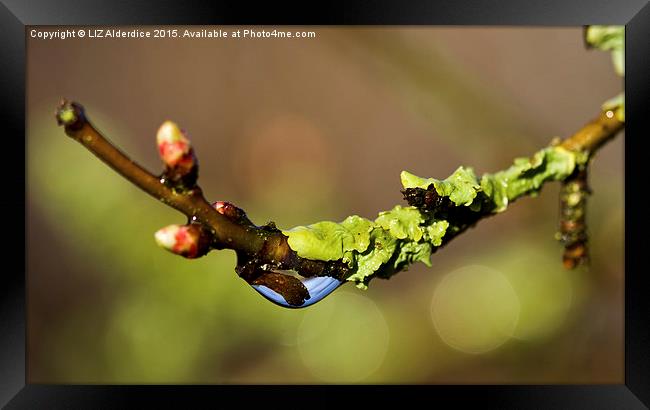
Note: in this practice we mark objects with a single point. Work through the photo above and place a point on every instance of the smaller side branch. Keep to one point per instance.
(573, 227)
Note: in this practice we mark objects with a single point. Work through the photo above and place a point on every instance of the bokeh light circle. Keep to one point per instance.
(545, 293)
(475, 309)
(343, 339)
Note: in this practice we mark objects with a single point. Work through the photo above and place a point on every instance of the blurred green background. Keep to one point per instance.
(302, 130)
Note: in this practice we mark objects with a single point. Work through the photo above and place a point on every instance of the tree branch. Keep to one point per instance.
(265, 258)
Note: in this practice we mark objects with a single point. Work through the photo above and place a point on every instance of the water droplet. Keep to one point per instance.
(318, 288)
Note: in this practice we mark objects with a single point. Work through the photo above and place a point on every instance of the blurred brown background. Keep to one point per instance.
(303, 130)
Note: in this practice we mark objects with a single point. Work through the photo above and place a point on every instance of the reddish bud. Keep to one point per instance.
(174, 147)
(186, 240)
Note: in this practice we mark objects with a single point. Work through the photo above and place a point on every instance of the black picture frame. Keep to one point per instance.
(15, 15)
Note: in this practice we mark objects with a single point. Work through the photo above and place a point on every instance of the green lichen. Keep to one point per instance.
(609, 38)
(527, 175)
(329, 241)
(411, 252)
(612, 39)
(402, 222)
(435, 231)
(461, 186)
(383, 246)
(405, 235)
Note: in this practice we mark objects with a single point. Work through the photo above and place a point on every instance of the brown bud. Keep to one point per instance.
(232, 212)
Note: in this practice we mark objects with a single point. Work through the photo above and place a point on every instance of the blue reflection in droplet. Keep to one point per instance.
(318, 287)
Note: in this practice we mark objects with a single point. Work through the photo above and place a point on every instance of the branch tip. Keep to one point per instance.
(70, 114)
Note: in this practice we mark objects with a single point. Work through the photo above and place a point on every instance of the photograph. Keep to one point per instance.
(325, 204)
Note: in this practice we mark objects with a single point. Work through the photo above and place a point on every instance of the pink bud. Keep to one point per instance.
(174, 147)
(184, 240)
